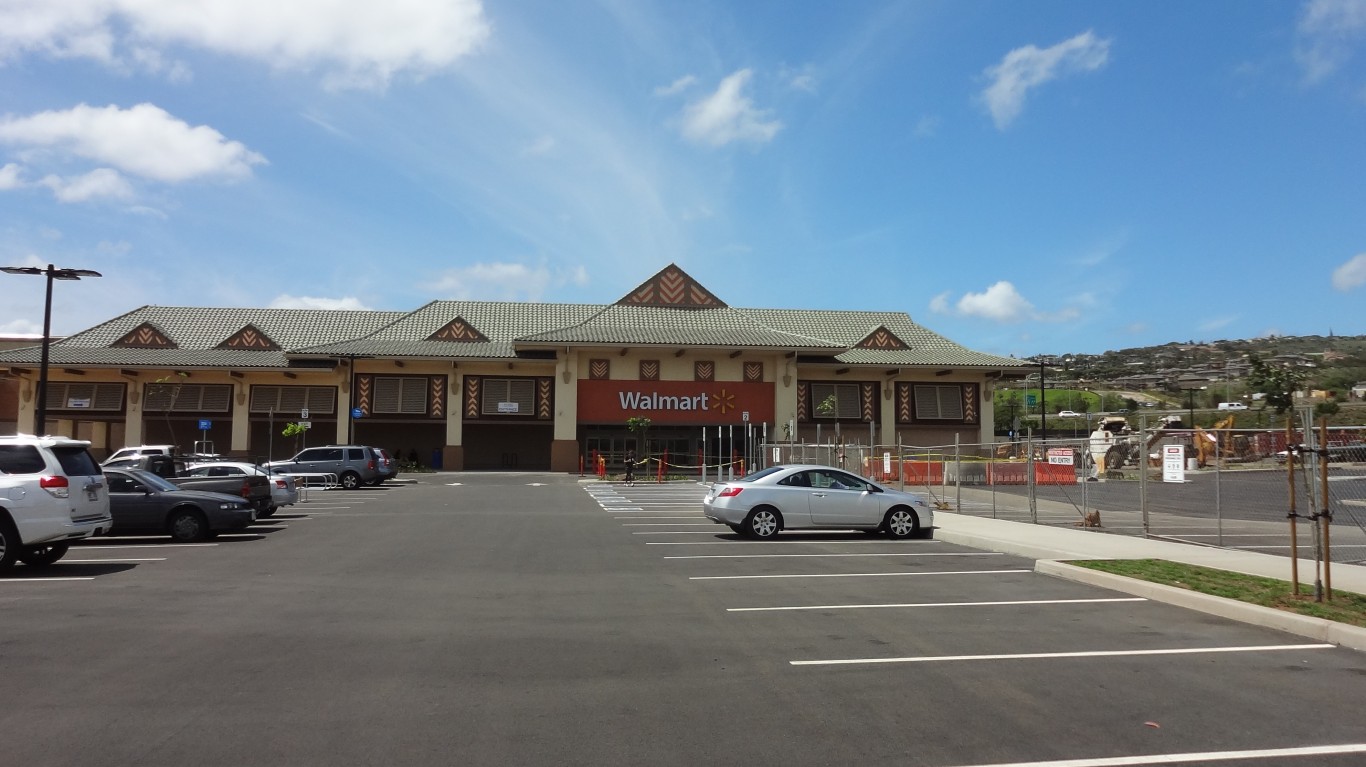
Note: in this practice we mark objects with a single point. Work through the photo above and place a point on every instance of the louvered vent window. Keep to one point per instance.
(835, 401)
(938, 403)
(509, 396)
(187, 398)
(85, 396)
(294, 399)
(406, 395)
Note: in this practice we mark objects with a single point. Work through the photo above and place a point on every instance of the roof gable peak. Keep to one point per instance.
(672, 288)
(458, 330)
(250, 337)
(145, 336)
(882, 338)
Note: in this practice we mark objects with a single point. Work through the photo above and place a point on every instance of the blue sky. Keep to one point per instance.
(1022, 177)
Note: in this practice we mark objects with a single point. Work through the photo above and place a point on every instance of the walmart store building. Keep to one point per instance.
(502, 385)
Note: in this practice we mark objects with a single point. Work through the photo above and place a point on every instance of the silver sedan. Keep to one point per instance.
(284, 489)
(813, 497)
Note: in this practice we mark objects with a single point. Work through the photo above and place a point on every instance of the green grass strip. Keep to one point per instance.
(1346, 607)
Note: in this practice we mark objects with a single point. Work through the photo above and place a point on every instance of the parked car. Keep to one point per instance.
(257, 489)
(353, 465)
(142, 503)
(284, 489)
(51, 493)
(128, 453)
(810, 496)
(387, 467)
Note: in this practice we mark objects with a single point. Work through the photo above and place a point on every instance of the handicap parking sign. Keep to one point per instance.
(205, 424)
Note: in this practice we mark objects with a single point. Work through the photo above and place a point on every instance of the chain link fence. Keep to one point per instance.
(1231, 488)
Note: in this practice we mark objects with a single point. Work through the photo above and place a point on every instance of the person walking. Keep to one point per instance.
(630, 467)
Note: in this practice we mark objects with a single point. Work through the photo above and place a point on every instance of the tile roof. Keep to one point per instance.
(498, 330)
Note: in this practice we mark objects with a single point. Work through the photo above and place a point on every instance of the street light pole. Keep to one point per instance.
(52, 273)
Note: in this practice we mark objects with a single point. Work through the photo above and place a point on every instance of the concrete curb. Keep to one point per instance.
(1303, 625)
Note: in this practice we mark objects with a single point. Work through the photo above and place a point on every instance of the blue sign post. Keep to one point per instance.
(205, 424)
(356, 412)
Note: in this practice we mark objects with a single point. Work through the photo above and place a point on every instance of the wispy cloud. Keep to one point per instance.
(142, 141)
(1003, 303)
(677, 86)
(1027, 68)
(355, 43)
(1216, 323)
(728, 115)
(101, 183)
(504, 281)
(1328, 34)
(286, 301)
(1351, 274)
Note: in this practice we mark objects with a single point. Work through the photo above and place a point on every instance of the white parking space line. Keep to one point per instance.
(757, 543)
(669, 524)
(1188, 758)
(1305, 546)
(938, 604)
(851, 575)
(46, 580)
(1233, 535)
(111, 559)
(884, 554)
(716, 531)
(694, 516)
(1053, 655)
(101, 547)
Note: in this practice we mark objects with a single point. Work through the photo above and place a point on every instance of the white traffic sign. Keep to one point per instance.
(305, 424)
(1061, 456)
(303, 414)
(1173, 463)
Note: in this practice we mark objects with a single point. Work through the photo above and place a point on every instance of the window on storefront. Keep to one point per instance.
(938, 403)
(400, 394)
(85, 396)
(508, 396)
(187, 398)
(293, 399)
(835, 401)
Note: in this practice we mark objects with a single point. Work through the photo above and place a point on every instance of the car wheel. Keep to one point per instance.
(350, 480)
(42, 556)
(267, 513)
(762, 523)
(9, 544)
(901, 523)
(188, 526)
(740, 529)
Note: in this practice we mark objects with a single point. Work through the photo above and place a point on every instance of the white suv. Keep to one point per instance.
(51, 493)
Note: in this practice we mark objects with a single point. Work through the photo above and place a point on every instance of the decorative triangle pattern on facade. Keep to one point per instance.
(458, 330)
(882, 338)
(250, 337)
(672, 288)
(146, 336)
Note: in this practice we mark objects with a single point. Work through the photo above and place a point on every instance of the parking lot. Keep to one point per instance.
(534, 619)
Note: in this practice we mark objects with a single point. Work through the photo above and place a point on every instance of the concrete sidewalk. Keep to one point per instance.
(1050, 544)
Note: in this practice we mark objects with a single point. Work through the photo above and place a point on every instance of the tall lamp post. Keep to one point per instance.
(52, 273)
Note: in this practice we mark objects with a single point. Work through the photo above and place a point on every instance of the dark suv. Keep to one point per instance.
(353, 465)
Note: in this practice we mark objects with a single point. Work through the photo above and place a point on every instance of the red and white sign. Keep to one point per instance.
(675, 402)
(1061, 456)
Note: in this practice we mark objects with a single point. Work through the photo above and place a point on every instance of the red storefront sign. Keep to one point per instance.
(680, 402)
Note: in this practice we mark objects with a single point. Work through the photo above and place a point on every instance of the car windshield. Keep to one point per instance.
(760, 474)
(151, 480)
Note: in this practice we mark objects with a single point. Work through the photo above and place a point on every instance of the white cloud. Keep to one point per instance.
(1351, 274)
(1216, 323)
(940, 304)
(728, 115)
(144, 141)
(1000, 302)
(11, 177)
(1327, 33)
(1029, 67)
(100, 183)
(927, 126)
(496, 282)
(541, 146)
(354, 42)
(286, 301)
(677, 86)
